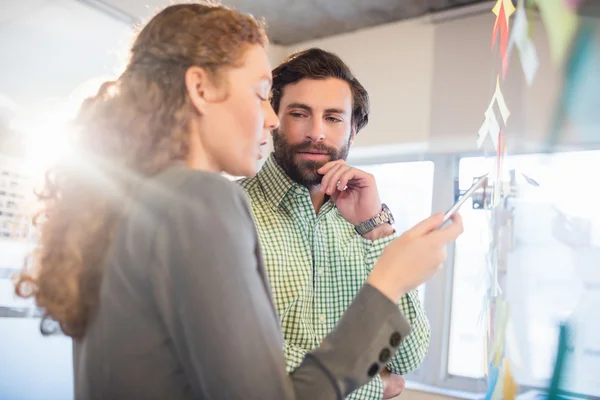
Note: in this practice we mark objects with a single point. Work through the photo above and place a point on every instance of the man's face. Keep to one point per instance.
(315, 127)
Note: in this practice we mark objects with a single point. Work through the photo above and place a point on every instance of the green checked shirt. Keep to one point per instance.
(316, 265)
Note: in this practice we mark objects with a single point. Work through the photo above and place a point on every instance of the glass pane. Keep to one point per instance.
(25, 355)
(467, 330)
(407, 189)
(552, 273)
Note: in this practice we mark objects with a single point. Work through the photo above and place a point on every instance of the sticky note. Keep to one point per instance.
(561, 24)
(520, 38)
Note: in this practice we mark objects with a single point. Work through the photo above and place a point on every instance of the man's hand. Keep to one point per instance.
(393, 385)
(353, 191)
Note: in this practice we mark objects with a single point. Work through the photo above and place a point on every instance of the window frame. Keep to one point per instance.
(438, 294)
(433, 372)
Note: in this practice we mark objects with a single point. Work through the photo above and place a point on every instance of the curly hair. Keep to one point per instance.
(133, 128)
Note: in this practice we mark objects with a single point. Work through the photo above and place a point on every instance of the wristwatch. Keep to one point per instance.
(384, 217)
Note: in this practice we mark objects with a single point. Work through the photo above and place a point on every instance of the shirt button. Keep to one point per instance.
(322, 318)
(298, 190)
(385, 355)
(321, 271)
(395, 339)
(373, 370)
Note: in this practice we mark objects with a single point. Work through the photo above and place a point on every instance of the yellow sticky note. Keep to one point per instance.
(498, 390)
(561, 24)
(500, 322)
(509, 8)
(510, 387)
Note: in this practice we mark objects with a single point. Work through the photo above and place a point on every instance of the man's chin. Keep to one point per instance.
(306, 177)
(309, 166)
(311, 180)
(304, 172)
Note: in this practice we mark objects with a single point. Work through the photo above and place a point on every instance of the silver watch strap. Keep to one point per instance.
(384, 216)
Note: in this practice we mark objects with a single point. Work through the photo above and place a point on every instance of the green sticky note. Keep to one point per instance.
(561, 24)
(559, 366)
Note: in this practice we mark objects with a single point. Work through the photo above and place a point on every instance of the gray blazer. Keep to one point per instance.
(186, 312)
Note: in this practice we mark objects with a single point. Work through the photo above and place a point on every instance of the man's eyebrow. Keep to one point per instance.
(305, 107)
(301, 106)
(336, 111)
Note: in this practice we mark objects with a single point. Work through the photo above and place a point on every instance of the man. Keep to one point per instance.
(316, 215)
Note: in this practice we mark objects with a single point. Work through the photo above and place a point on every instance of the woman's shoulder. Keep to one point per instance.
(183, 178)
(180, 187)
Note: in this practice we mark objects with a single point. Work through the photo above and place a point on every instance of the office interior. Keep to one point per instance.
(431, 71)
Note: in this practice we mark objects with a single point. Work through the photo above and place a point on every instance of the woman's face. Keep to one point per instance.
(236, 125)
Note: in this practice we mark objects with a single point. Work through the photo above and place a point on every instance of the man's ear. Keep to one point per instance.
(200, 87)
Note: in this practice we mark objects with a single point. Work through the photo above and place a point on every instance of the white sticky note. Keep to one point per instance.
(490, 127)
(482, 133)
(499, 97)
(520, 37)
(493, 126)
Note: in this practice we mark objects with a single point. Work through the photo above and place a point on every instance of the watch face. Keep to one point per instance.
(388, 213)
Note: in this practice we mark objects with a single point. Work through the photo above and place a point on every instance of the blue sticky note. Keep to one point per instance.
(581, 88)
(582, 84)
(558, 374)
(492, 381)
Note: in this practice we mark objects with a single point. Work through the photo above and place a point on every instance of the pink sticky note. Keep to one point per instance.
(573, 4)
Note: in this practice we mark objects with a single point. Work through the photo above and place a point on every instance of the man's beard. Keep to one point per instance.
(304, 172)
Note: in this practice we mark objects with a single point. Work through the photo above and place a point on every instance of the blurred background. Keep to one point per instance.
(430, 71)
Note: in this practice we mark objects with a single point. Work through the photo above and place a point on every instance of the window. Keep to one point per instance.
(552, 270)
(467, 330)
(407, 189)
(26, 355)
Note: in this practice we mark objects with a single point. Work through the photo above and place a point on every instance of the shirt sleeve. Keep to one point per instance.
(414, 349)
(293, 355)
(374, 248)
(412, 353)
(372, 390)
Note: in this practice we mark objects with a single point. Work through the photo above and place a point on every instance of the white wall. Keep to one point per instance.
(464, 80)
(430, 83)
(276, 53)
(43, 60)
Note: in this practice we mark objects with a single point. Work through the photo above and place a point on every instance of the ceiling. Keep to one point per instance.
(294, 21)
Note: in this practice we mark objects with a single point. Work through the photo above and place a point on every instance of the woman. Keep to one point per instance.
(149, 258)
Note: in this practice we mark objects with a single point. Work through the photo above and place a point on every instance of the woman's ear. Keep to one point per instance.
(200, 88)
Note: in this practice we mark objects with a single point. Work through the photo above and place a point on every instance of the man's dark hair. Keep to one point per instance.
(315, 63)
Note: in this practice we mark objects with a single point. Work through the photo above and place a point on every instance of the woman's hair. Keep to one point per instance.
(134, 127)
